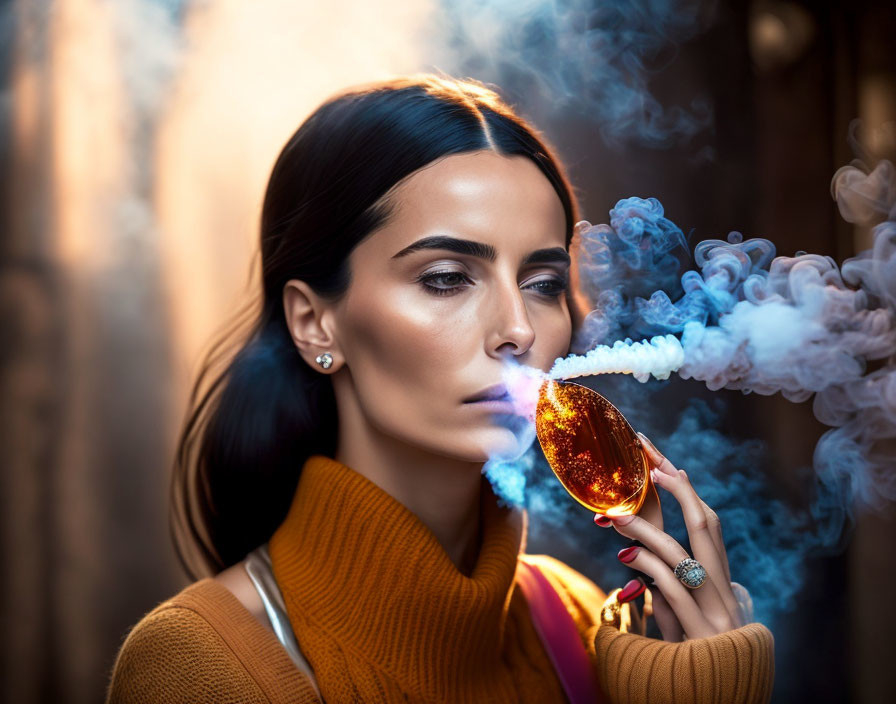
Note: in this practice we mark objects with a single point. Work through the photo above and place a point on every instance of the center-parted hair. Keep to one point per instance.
(257, 411)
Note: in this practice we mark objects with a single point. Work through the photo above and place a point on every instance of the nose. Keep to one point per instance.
(512, 332)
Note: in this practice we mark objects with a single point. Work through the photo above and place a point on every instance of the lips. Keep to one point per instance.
(498, 392)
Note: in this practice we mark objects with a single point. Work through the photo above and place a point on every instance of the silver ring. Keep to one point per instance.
(690, 573)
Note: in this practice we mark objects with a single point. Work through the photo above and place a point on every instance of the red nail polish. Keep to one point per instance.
(628, 554)
(602, 520)
(631, 591)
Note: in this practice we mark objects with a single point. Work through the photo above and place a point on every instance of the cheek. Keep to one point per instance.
(553, 332)
(409, 359)
(399, 341)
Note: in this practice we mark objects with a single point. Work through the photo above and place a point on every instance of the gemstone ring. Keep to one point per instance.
(690, 573)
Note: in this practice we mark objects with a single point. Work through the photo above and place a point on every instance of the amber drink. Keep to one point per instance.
(592, 449)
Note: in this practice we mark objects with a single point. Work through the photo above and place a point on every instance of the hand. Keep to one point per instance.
(681, 612)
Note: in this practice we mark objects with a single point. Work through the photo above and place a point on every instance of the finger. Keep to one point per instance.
(714, 560)
(700, 535)
(627, 595)
(651, 510)
(744, 602)
(686, 610)
(658, 542)
(666, 620)
(657, 458)
(716, 531)
(659, 461)
(670, 551)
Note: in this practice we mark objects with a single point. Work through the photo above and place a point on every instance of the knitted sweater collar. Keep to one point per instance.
(355, 564)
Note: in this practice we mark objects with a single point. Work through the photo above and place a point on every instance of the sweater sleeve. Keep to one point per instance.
(734, 667)
(174, 655)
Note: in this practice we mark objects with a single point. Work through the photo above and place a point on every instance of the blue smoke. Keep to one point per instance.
(639, 252)
(577, 56)
(747, 320)
(799, 326)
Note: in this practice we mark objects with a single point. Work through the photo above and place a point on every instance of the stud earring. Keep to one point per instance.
(325, 360)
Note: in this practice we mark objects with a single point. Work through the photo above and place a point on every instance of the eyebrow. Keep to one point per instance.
(482, 250)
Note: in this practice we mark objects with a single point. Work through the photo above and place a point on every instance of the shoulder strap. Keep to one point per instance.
(258, 566)
(559, 635)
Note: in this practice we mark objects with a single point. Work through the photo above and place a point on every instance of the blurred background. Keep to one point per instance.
(136, 139)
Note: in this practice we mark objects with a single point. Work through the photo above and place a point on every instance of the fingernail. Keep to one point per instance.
(649, 444)
(631, 591)
(622, 520)
(602, 520)
(628, 554)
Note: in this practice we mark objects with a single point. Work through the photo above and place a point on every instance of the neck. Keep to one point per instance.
(444, 493)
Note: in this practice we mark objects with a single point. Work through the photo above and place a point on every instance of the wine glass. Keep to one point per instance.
(591, 448)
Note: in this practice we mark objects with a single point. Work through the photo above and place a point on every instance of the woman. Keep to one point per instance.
(414, 238)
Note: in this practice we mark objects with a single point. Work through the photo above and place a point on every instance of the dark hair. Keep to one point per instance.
(255, 415)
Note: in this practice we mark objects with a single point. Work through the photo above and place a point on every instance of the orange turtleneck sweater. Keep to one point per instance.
(383, 615)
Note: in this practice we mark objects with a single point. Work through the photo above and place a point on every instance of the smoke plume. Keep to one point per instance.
(576, 56)
(745, 319)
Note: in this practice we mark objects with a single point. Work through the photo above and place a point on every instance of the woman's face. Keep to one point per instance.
(470, 270)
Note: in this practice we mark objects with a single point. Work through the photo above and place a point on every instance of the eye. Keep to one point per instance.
(444, 283)
(447, 283)
(552, 287)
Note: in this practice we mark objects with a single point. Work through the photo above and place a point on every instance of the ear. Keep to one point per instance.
(310, 324)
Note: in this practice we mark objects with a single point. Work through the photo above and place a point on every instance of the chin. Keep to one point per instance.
(499, 443)
(507, 437)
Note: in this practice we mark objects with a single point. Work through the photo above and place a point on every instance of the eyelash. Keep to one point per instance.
(558, 284)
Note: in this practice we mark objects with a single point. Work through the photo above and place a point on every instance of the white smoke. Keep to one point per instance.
(792, 325)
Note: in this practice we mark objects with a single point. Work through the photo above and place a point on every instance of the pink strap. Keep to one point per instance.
(560, 636)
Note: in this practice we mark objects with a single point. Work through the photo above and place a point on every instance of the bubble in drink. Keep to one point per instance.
(592, 448)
